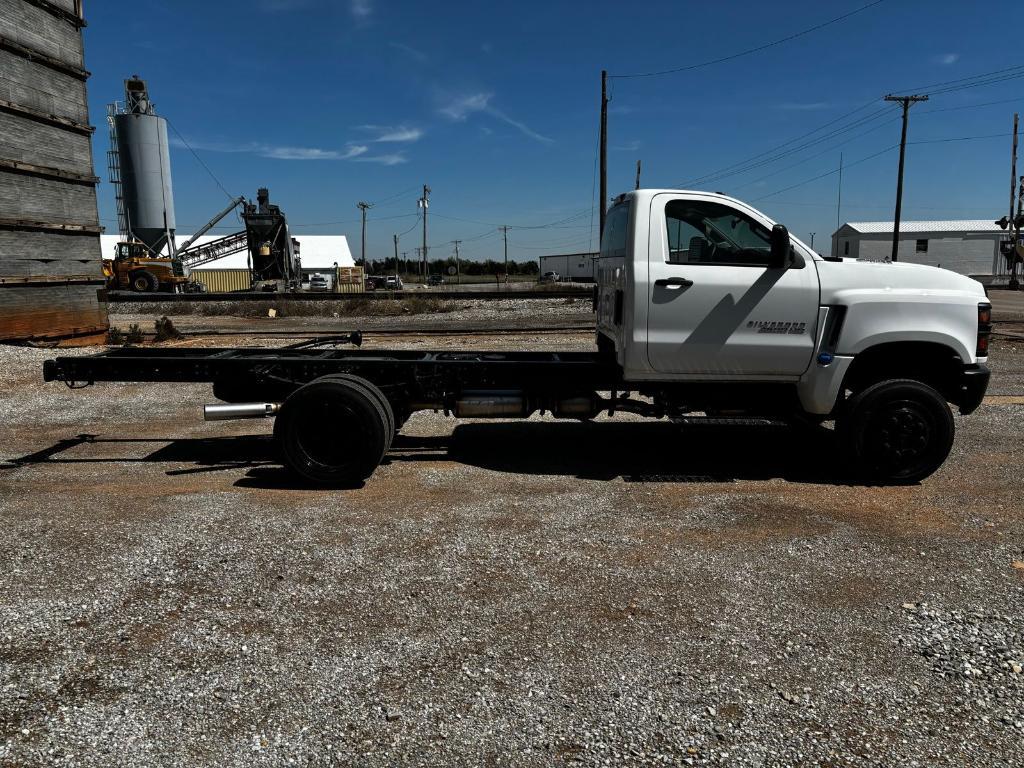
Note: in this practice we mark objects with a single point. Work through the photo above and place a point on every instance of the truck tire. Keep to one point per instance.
(332, 432)
(896, 432)
(372, 390)
(144, 281)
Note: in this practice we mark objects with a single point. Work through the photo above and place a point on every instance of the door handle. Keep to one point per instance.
(665, 282)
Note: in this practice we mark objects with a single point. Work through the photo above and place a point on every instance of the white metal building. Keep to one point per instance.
(577, 267)
(967, 246)
(315, 251)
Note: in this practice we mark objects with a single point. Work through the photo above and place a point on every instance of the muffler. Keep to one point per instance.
(491, 404)
(227, 411)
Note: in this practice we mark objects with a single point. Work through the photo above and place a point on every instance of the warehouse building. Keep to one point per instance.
(575, 267)
(50, 271)
(970, 247)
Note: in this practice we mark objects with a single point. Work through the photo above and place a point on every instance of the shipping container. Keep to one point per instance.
(223, 280)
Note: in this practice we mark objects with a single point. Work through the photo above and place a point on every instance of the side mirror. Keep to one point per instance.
(778, 258)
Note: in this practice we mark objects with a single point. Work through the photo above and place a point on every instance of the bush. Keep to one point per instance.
(165, 330)
(134, 335)
(115, 337)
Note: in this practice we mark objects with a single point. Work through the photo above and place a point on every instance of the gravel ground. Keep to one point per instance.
(531, 593)
(376, 311)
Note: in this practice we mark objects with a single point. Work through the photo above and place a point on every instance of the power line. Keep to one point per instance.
(806, 145)
(982, 78)
(819, 154)
(823, 175)
(197, 157)
(752, 158)
(749, 51)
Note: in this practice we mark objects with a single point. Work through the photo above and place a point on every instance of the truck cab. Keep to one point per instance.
(706, 295)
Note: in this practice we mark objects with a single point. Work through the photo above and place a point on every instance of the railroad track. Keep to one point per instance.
(184, 298)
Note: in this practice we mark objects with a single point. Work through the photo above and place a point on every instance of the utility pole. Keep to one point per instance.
(812, 240)
(504, 232)
(396, 260)
(1014, 230)
(458, 269)
(604, 149)
(637, 175)
(839, 195)
(906, 102)
(405, 262)
(363, 208)
(424, 203)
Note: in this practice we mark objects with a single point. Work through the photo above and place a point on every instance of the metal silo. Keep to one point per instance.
(144, 166)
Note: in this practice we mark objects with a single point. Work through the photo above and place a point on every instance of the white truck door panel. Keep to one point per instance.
(712, 307)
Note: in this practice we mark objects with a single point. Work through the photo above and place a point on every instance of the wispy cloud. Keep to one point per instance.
(946, 58)
(388, 134)
(352, 151)
(361, 10)
(462, 107)
(391, 159)
(311, 153)
(459, 109)
(414, 53)
(629, 146)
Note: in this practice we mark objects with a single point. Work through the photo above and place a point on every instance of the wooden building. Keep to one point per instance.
(50, 263)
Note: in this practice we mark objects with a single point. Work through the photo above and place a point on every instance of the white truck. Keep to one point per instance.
(704, 305)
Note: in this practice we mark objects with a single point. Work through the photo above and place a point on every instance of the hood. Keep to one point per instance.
(902, 277)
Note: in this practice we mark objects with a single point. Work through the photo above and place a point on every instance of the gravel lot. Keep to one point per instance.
(532, 593)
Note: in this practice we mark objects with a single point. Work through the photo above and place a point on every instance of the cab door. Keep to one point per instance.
(715, 307)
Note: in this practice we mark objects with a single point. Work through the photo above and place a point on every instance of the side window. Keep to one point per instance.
(615, 239)
(701, 232)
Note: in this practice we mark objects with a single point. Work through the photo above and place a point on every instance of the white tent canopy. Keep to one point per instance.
(316, 252)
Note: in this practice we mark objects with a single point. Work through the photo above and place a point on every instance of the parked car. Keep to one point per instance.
(393, 283)
(435, 280)
(550, 277)
(318, 282)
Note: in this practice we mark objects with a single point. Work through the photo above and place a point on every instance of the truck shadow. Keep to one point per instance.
(637, 451)
(634, 451)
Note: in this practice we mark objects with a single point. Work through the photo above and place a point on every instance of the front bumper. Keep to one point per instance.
(971, 391)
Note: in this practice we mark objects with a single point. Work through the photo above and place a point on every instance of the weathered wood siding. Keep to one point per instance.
(50, 279)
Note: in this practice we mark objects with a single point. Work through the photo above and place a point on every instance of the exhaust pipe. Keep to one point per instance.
(227, 411)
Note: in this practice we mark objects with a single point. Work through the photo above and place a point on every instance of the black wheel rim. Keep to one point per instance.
(899, 435)
(330, 433)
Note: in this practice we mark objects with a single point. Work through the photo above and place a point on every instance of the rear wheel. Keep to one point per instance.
(897, 431)
(371, 389)
(333, 431)
(145, 281)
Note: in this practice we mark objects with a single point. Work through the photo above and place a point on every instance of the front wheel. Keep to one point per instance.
(896, 432)
(144, 281)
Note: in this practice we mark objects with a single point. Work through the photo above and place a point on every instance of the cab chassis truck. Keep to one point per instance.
(704, 305)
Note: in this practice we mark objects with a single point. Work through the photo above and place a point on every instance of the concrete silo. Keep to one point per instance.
(143, 169)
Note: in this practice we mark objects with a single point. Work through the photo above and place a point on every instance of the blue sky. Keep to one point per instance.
(329, 102)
